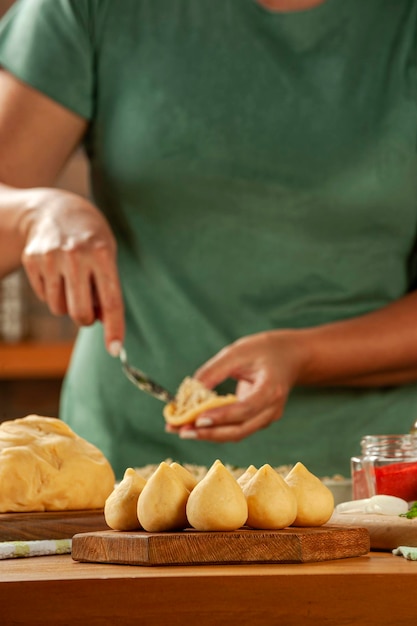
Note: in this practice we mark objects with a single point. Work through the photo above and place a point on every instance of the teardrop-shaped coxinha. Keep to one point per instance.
(120, 507)
(162, 502)
(271, 502)
(315, 502)
(217, 502)
(172, 499)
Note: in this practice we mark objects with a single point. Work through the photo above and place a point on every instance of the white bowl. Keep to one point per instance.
(341, 489)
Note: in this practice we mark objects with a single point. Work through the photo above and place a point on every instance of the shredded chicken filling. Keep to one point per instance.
(190, 394)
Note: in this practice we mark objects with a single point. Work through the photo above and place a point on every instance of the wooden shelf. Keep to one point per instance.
(34, 359)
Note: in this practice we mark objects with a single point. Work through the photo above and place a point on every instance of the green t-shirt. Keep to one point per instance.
(259, 171)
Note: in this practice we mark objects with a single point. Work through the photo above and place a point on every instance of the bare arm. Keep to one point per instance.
(378, 349)
(37, 137)
(374, 350)
(64, 242)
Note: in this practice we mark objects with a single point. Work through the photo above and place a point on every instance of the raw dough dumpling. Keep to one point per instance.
(247, 475)
(315, 502)
(120, 509)
(45, 466)
(161, 505)
(191, 400)
(217, 502)
(271, 502)
(187, 478)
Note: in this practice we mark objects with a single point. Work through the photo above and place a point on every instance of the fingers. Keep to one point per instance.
(237, 421)
(110, 299)
(70, 259)
(225, 364)
(255, 394)
(264, 369)
(48, 285)
(86, 287)
(55, 296)
(36, 282)
(232, 431)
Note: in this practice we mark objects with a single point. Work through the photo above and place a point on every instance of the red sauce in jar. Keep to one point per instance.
(398, 479)
(379, 472)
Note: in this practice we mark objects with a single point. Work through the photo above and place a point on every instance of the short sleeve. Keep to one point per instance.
(48, 44)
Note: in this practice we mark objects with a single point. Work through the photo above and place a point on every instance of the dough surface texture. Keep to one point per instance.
(45, 466)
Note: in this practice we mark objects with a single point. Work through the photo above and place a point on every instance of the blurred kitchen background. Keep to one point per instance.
(35, 346)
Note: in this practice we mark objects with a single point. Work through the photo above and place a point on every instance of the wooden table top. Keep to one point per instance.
(376, 589)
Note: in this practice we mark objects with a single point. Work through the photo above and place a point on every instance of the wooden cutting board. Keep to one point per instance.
(49, 525)
(190, 547)
(386, 532)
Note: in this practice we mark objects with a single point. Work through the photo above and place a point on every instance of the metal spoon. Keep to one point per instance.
(142, 381)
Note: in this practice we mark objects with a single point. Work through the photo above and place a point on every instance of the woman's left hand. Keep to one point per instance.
(266, 367)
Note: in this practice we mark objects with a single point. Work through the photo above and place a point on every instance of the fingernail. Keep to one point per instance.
(188, 434)
(115, 347)
(203, 421)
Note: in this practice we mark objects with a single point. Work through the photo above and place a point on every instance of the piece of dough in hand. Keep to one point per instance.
(45, 466)
(192, 399)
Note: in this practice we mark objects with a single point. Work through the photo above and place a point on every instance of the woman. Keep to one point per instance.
(253, 167)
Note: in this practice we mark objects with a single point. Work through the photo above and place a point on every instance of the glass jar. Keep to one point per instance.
(387, 465)
(13, 307)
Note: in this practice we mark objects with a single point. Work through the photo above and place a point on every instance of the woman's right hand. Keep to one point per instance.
(70, 259)
(64, 242)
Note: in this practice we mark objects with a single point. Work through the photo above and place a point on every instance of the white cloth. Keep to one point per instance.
(408, 552)
(16, 549)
